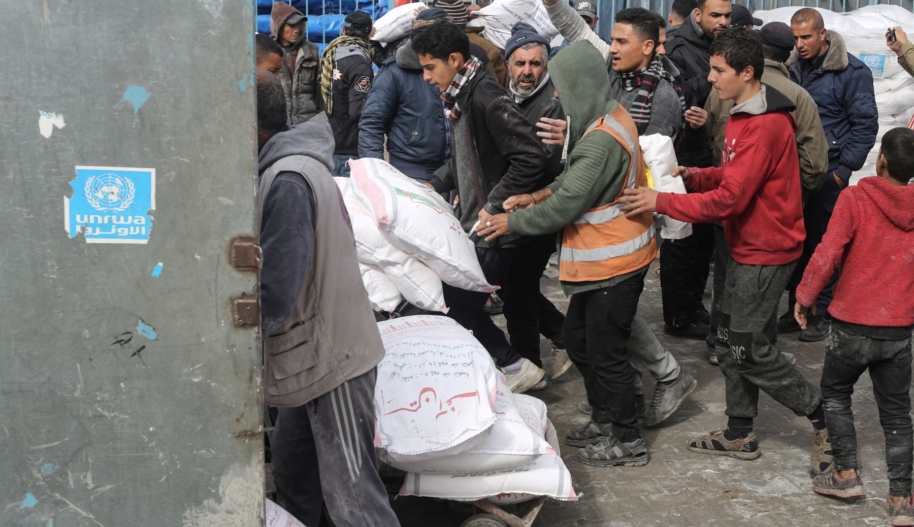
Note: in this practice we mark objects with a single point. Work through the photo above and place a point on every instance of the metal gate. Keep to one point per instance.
(127, 145)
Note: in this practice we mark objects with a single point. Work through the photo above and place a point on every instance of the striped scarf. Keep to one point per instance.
(463, 76)
(646, 80)
(328, 63)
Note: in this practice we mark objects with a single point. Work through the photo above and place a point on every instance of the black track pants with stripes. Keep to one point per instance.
(324, 452)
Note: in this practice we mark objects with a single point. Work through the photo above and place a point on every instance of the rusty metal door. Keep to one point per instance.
(127, 162)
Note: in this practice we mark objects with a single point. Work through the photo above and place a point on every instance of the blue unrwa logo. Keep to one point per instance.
(111, 205)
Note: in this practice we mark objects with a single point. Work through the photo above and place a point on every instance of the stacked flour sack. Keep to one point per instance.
(863, 31)
(447, 418)
(407, 239)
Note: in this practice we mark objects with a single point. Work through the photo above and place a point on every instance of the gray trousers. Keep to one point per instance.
(645, 350)
(747, 343)
(324, 452)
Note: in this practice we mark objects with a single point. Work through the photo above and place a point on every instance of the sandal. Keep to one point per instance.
(715, 444)
(610, 452)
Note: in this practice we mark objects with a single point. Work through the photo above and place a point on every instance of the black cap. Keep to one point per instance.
(295, 19)
(741, 17)
(777, 34)
(358, 21)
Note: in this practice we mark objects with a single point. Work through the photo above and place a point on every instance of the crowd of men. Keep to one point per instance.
(538, 149)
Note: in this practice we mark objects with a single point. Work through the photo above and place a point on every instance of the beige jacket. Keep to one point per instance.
(812, 146)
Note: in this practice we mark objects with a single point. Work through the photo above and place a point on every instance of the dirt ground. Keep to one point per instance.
(679, 487)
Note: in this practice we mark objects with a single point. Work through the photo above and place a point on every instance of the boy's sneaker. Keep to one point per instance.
(585, 408)
(588, 434)
(610, 452)
(668, 398)
(525, 379)
(697, 330)
(715, 444)
(560, 365)
(831, 485)
(822, 459)
(712, 358)
(902, 515)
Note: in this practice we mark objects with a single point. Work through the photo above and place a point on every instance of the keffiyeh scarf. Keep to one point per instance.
(645, 81)
(464, 76)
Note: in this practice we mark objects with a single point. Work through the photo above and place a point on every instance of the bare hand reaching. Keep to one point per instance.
(696, 117)
(551, 131)
(901, 38)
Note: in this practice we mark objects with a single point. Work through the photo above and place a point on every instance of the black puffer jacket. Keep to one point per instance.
(507, 157)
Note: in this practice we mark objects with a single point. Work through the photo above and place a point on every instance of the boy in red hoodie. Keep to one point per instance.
(871, 238)
(756, 192)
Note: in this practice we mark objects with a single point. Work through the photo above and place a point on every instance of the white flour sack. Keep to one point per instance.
(511, 443)
(276, 516)
(660, 158)
(435, 394)
(397, 23)
(418, 284)
(498, 17)
(546, 476)
(382, 293)
(416, 219)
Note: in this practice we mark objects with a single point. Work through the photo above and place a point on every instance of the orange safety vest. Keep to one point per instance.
(604, 242)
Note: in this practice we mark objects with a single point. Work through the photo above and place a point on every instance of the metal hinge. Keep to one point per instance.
(245, 311)
(246, 254)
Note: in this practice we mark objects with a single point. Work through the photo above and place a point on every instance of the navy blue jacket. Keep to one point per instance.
(408, 110)
(842, 88)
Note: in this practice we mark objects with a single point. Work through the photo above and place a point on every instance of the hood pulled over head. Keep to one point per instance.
(582, 82)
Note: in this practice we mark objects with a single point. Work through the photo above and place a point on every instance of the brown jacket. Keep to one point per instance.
(906, 59)
(812, 146)
(495, 54)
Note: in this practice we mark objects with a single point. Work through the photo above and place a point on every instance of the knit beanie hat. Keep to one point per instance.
(456, 10)
(521, 34)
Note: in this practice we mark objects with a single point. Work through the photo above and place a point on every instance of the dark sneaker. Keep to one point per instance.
(585, 408)
(697, 330)
(610, 452)
(588, 434)
(816, 329)
(715, 444)
(668, 397)
(495, 307)
(704, 316)
(902, 515)
(787, 323)
(822, 459)
(831, 485)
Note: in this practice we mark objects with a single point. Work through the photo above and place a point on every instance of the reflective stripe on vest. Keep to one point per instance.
(604, 243)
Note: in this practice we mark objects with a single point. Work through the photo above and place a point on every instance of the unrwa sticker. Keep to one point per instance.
(111, 205)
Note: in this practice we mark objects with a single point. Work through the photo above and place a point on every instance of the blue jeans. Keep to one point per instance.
(341, 165)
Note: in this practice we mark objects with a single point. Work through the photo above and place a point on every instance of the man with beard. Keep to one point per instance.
(685, 264)
(641, 80)
(527, 55)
